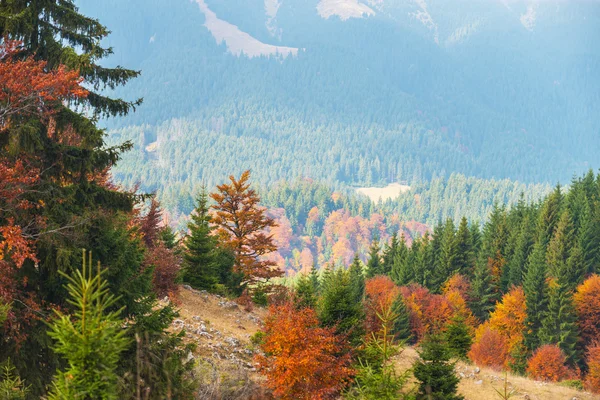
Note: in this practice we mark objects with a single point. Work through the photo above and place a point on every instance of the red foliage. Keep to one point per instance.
(302, 360)
(429, 313)
(548, 364)
(166, 270)
(150, 224)
(508, 318)
(592, 380)
(490, 348)
(458, 283)
(587, 303)
(27, 86)
(380, 293)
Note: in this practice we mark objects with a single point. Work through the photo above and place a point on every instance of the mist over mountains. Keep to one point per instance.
(357, 92)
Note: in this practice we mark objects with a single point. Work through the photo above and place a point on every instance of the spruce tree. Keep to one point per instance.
(389, 254)
(91, 340)
(589, 239)
(375, 264)
(536, 296)
(357, 280)
(314, 279)
(483, 296)
(401, 326)
(338, 306)
(560, 245)
(550, 215)
(401, 272)
(464, 249)
(305, 294)
(458, 337)
(434, 371)
(516, 267)
(447, 260)
(200, 268)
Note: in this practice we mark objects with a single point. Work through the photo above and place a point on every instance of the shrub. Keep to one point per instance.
(548, 364)
(490, 348)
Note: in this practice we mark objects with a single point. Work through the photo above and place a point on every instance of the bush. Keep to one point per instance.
(573, 384)
(548, 364)
(490, 348)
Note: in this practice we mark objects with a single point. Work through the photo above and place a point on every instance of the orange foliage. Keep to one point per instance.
(490, 348)
(508, 318)
(592, 380)
(458, 283)
(302, 360)
(548, 364)
(28, 88)
(460, 309)
(242, 224)
(380, 293)
(429, 313)
(587, 303)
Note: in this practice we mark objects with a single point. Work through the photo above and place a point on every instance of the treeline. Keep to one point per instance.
(519, 294)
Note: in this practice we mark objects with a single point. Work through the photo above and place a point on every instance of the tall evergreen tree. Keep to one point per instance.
(536, 296)
(589, 238)
(464, 249)
(401, 326)
(357, 279)
(435, 373)
(483, 295)
(401, 272)
(447, 260)
(374, 264)
(516, 267)
(560, 245)
(200, 266)
(306, 295)
(338, 306)
(390, 253)
(550, 215)
(314, 279)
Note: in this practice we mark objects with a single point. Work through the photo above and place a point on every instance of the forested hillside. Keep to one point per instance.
(412, 91)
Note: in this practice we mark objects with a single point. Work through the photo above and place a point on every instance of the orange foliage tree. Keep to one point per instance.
(592, 379)
(548, 364)
(302, 360)
(508, 318)
(28, 88)
(242, 226)
(458, 283)
(587, 304)
(380, 293)
(490, 348)
(429, 313)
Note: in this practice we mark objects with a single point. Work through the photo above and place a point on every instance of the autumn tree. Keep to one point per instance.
(242, 225)
(587, 305)
(490, 348)
(592, 379)
(548, 363)
(380, 294)
(301, 359)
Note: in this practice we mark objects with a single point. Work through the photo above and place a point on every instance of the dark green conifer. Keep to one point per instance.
(401, 326)
(200, 268)
(465, 255)
(305, 294)
(536, 296)
(458, 337)
(375, 264)
(483, 295)
(434, 372)
(357, 279)
(389, 254)
(401, 272)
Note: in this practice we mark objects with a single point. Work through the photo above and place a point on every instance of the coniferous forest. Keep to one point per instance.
(123, 228)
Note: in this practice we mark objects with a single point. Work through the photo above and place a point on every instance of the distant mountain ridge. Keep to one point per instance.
(361, 92)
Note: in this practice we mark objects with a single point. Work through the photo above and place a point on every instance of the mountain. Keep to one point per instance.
(356, 92)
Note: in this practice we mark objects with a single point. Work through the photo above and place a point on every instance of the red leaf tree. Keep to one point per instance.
(490, 348)
(380, 293)
(592, 379)
(302, 360)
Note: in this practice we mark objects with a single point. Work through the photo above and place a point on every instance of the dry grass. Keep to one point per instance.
(391, 191)
(480, 386)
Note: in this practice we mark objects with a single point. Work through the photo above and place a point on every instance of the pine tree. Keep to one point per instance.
(357, 280)
(305, 294)
(550, 215)
(536, 296)
(560, 245)
(338, 306)
(314, 279)
(589, 239)
(458, 337)
(464, 249)
(389, 254)
(374, 265)
(435, 373)
(483, 296)
(200, 267)
(446, 265)
(91, 340)
(401, 272)
(401, 326)
(516, 267)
